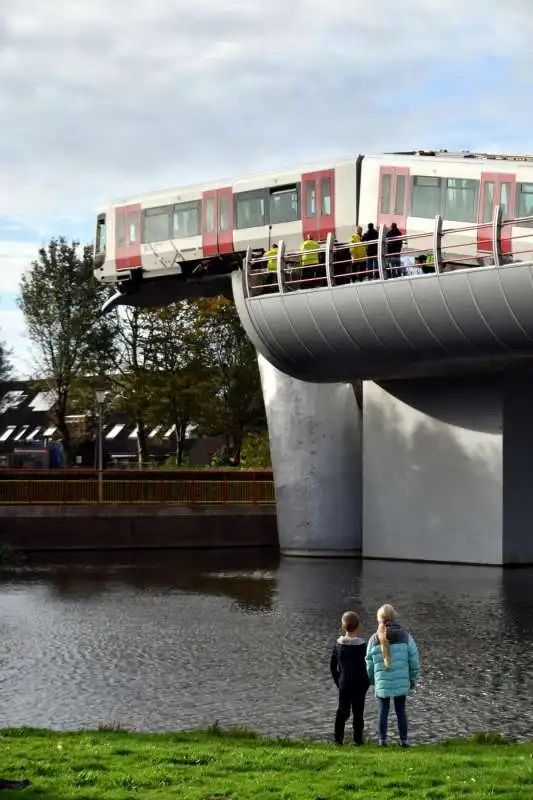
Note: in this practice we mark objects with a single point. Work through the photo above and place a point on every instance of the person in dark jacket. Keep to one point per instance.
(348, 668)
(370, 238)
(394, 248)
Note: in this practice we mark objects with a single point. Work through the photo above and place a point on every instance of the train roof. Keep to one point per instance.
(324, 163)
(451, 154)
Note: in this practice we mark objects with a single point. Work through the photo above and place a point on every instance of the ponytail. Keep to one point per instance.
(385, 614)
(384, 642)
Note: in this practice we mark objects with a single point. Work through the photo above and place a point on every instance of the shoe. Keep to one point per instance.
(357, 744)
(382, 743)
(404, 744)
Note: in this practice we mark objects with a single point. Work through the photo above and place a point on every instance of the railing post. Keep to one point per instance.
(381, 251)
(330, 277)
(247, 262)
(437, 244)
(497, 236)
(280, 260)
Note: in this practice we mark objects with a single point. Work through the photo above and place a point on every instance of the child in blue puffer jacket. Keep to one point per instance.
(393, 666)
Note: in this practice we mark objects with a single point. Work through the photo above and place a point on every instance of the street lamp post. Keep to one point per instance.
(100, 397)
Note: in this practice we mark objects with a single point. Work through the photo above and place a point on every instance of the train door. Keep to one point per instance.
(393, 197)
(496, 188)
(318, 204)
(128, 237)
(217, 221)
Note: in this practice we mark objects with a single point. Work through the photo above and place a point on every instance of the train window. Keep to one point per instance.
(223, 214)
(133, 226)
(251, 209)
(325, 197)
(460, 202)
(399, 195)
(210, 215)
(156, 224)
(310, 198)
(186, 220)
(100, 234)
(426, 196)
(386, 180)
(505, 199)
(121, 230)
(488, 200)
(524, 202)
(284, 205)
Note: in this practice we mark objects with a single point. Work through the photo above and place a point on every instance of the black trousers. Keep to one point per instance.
(350, 702)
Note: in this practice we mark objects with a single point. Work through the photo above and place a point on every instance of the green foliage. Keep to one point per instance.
(5, 363)
(134, 364)
(255, 453)
(182, 381)
(114, 765)
(238, 403)
(188, 365)
(61, 302)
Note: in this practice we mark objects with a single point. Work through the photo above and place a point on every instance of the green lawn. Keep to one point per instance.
(216, 765)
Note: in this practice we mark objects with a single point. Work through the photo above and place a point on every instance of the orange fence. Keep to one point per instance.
(133, 492)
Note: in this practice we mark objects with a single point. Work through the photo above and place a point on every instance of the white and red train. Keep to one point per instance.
(195, 233)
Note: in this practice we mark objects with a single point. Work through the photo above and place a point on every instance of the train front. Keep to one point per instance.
(151, 274)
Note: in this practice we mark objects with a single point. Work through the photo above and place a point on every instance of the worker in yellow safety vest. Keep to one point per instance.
(308, 259)
(430, 262)
(272, 256)
(358, 253)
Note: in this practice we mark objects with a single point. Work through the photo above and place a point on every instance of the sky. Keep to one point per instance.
(100, 99)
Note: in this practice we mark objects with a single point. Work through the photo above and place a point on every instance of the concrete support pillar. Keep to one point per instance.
(448, 469)
(315, 444)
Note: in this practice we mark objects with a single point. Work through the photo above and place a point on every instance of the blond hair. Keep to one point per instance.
(350, 622)
(385, 614)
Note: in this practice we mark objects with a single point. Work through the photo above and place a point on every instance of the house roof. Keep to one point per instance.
(25, 418)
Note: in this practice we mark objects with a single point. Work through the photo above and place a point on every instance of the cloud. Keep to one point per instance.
(105, 99)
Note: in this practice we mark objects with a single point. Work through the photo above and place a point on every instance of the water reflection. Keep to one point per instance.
(178, 640)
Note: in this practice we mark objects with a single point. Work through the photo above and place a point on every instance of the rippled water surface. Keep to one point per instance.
(178, 641)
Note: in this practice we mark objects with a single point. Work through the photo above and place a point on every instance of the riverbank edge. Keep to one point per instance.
(237, 735)
(28, 528)
(237, 763)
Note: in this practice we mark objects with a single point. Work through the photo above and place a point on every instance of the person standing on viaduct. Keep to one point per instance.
(358, 254)
(309, 260)
(394, 248)
(371, 237)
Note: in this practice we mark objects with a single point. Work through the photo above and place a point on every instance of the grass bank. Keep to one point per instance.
(237, 765)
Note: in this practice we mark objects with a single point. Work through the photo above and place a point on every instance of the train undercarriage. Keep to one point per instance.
(209, 277)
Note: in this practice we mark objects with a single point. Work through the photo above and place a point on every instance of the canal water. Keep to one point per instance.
(176, 641)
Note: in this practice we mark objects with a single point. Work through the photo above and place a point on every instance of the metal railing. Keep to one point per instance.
(490, 244)
(136, 492)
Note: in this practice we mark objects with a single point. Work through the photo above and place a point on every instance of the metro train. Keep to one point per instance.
(188, 240)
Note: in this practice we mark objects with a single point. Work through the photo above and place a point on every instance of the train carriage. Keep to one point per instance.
(199, 233)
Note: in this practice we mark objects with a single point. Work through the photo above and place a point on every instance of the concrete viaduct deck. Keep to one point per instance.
(399, 405)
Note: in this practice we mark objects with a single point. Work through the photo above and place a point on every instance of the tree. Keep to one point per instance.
(61, 302)
(5, 364)
(255, 452)
(133, 370)
(182, 382)
(238, 403)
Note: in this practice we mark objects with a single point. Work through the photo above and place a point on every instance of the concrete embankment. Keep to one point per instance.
(93, 527)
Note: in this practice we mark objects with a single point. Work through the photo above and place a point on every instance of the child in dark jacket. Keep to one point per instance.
(348, 668)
